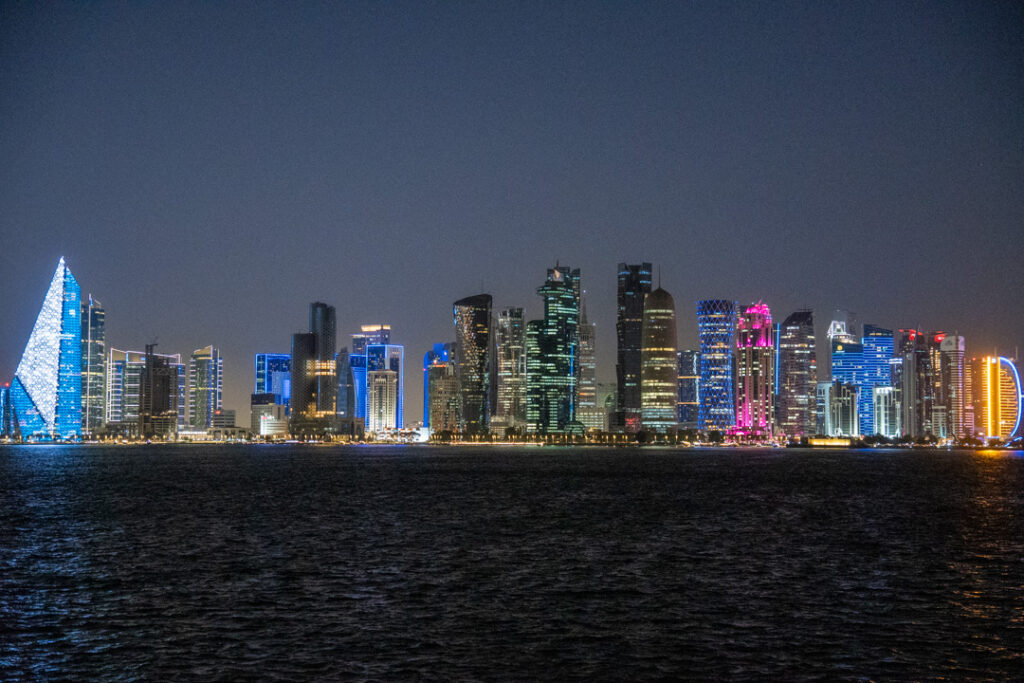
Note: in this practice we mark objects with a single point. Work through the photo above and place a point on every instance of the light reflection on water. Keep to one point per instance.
(509, 563)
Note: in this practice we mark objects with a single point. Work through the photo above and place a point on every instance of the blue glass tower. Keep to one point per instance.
(716, 328)
(879, 346)
(848, 368)
(273, 376)
(46, 394)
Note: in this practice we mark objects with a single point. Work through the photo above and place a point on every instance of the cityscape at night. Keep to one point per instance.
(606, 341)
(500, 378)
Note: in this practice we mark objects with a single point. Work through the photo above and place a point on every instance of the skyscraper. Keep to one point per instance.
(634, 285)
(345, 403)
(510, 341)
(46, 394)
(552, 346)
(158, 397)
(918, 382)
(998, 398)
(7, 428)
(442, 400)
(303, 383)
(878, 348)
(847, 356)
(94, 366)
(376, 333)
(442, 354)
(273, 376)
(388, 357)
(688, 407)
(473, 360)
(323, 325)
(205, 386)
(588, 411)
(953, 373)
(716, 328)
(659, 366)
(124, 382)
(755, 372)
(798, 375)
(382, 400)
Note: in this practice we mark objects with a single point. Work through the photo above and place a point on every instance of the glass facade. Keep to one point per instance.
(510, 338)
(659, 366)
(46, 394)
(94, 366)
(473, 359)
(206, 386)
(688, 406)
(124, 379)
(588, 411)
(438, 363)
(553, 371)
(273, 376)
(634, 283)
(386, 357)
(878, 347)
(716, 329)
(797, 373)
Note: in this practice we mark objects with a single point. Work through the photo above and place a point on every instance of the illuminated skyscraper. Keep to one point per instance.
(588, 412)
(473, 360)
(205, 386)
(998, 399)
(388, 357)
(552, 347)
(878, 348)
(842, 409)
(716, 327)
(634, 285)
(6, 413)
(94, 366)
(273, 376)
(158, 397)
(886, 409)
(382, 402)
(959, 415)
(659, 366)
(46, 394)
(345, 401)
(442, 400)
(798, 375)
(303, 372)
(688, 404)
(510, 336)
(370, 334)
(919, 378)
(323, 325)
(755, 372)
(439, 355)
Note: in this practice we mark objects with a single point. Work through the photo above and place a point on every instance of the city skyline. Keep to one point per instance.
(862, 160)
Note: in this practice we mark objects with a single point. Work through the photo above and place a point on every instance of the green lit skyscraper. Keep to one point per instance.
(552, 364)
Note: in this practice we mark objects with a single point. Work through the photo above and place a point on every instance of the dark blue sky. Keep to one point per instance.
(209, 169)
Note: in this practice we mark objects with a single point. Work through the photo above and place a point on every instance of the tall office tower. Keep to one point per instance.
(124, 381)
(688, 405)
(552, 373)
(510, 341)
(716, 328)
(842, 409)
(323, 325)
(6, 414)
(878, 348)
(387, 357)
(659, 366)
(303, 370)
(376, 333)
(589, 413)
(158, 397)
(273, 376)
(382, 401)
(798, 375)
(442, 400)
(848, 367)
(473, 359)
(46, 394)
(886, 411)
(94, 366)
(952, 381)
(998, 397)
(918, 385)
(634, 285)
(940, 402)
(205, 386)
(440, 355)
(345, 403)
(755, 372)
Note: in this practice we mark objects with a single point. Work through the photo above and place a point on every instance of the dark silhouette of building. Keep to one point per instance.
(158, 397)
(798, 375)
(634, 285)
(473, 360)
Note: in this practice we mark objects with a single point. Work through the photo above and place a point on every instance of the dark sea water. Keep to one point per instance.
(420, 563)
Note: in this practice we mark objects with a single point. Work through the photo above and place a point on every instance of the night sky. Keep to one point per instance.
(207, 170)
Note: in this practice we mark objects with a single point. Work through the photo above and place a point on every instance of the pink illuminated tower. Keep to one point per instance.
(755, 372)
